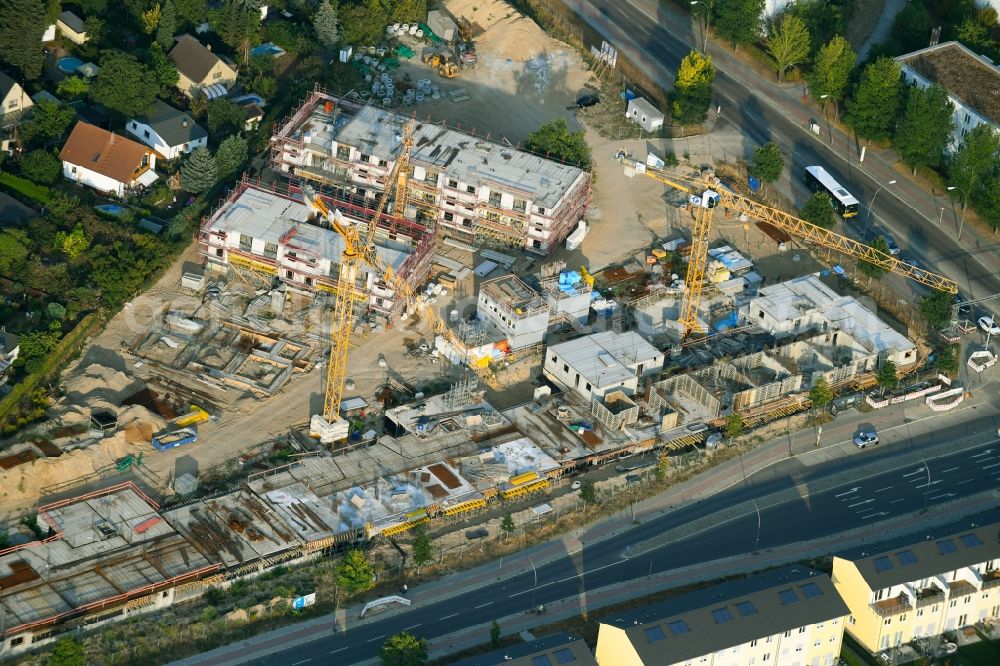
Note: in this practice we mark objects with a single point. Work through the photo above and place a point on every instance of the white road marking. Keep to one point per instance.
(950, 469)
(413, 627)
(301, 662)
(896, 500)
(984, 453)
(448, 617)
(484, 605)
(867, 501)
(883, 489)
(370, 640)
(966, 481)
(990, 466)
(880, 513)
(340, 650)
(932, 483)
(852, 490)
(919, 471)
(940, 496)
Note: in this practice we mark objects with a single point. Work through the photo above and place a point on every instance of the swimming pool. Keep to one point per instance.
(68, 64)
(110, 209)
(250, 99)
(268, 49)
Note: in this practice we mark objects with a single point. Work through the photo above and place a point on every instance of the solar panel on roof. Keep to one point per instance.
(788, 596)
(970, 540)
(654, 634)
(883, 564)
(946, 546)
(811, 590)
(906, 557)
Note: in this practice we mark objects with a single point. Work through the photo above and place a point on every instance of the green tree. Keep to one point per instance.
(788, 43)
(162, 69)
(423, 547)
(325, 24)
(692, 92)
(988, 202)
(823, 20)
(225, 117)
(506, 523)
(123, 85)
(239, 27)
(947, 359)
(873, 109)
(74, 243)
(404, 649)
(820, 394)
(557, 141)
(887, 377)
(13, 254)
(973, 163)
(35, 348)
(354, 573)
(191, 12)
(408, 11)
(936, 308)
(55, 311)
(21, 30)
(495, 634)
(912, 28)
(362, 23)
(925, 127)
(150, 18)
(818, 210)
(768, 162)
(874, 271)
(73, 87)
(68, 652)
(94, 27)
(588, 492)
(199, 173)
(734, 425)
(231, 155)
(167, 26)
(738, 21)
(832, 70)
(975, 35)
(49, 122)
(39, 166)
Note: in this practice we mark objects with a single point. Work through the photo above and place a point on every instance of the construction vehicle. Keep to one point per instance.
(196, 415)
(707, 193)
(359, 248)
(442, 63)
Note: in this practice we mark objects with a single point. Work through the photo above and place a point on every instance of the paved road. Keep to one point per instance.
(763, 112)
(803, 516)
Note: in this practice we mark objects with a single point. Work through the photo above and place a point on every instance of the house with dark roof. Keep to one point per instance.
(14, 101)
(561, 649)
(167, 131)
(972, 82)
(786, 616)
(10, 347)
(201, 71)
(71, 27)
(922, 584)
(107, 162)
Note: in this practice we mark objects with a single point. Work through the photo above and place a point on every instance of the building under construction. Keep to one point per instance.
(470, 188)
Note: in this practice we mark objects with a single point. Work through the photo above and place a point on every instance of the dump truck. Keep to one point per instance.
(174, 438)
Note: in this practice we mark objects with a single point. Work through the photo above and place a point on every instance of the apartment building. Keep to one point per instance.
(785, 617)
(561, 649)
(594, 365)
(514, 310)
(274, 233)
(470, 188)
(920, 585)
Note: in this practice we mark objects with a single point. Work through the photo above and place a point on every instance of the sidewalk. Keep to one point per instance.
(892, 423)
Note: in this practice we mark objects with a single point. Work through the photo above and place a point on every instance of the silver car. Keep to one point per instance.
(865, 438)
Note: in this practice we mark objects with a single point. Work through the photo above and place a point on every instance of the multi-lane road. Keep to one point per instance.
(800, 517)
(762, 112)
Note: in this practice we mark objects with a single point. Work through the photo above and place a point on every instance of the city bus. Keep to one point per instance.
(819, 180)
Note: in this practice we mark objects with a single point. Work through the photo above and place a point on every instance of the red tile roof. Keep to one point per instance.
(102, 152)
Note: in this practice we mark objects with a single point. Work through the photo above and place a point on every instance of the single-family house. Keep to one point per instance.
(14, 101)
(200, 70)
(71, 27)
(254, 114)
(107, 162)
(10, 346)
(167, 131)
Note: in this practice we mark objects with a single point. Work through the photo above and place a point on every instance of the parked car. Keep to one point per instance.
(584, 101)
(575, 485)
(989, 326)
(866, 438)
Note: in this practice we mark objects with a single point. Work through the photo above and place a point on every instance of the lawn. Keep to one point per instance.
(984, 653)
(26, 187)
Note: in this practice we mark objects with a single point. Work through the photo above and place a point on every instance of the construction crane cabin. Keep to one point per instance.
(706, 194)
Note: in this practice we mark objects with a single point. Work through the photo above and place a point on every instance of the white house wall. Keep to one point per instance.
(964, 117)
(147, 135)
(92, 179)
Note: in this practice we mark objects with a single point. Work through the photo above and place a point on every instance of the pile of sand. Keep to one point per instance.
(97, 381)
(509, 35)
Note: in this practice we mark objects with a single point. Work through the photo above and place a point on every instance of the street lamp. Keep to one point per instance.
(965, 202)
(534, 587)
(869, 216)
(704, 25)
(826, 116)
(928, 490)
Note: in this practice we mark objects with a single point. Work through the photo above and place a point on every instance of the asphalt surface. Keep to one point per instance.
(667, 38)
(805, 517)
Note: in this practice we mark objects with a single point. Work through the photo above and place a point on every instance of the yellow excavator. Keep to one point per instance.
(443, 64)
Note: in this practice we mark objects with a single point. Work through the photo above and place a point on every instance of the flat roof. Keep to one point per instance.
(469, 159)
(646, 107)
(929, 552)
(561, 649)
(601, 358)
(964, 74)
(514, 293)
(270, 217)
(106, 545)
(730, 614)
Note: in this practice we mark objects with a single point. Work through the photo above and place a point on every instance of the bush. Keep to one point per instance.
(41, 167)
(25, 187)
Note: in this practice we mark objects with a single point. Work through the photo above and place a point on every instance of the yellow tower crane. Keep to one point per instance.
(359, 248)
(706, 195)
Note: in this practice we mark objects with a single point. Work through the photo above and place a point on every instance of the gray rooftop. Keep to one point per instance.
(73, 22)
(730, 614)
(928, 553)
(553, 650)
(645, 107)
(600, 358)
(6, 85)
(468, 159)
(173, 126)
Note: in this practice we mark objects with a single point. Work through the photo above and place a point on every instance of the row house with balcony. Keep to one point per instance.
(468, 187)
(277, 235)
(920, 586)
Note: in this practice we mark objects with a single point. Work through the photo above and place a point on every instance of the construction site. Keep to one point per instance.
(394, 326)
